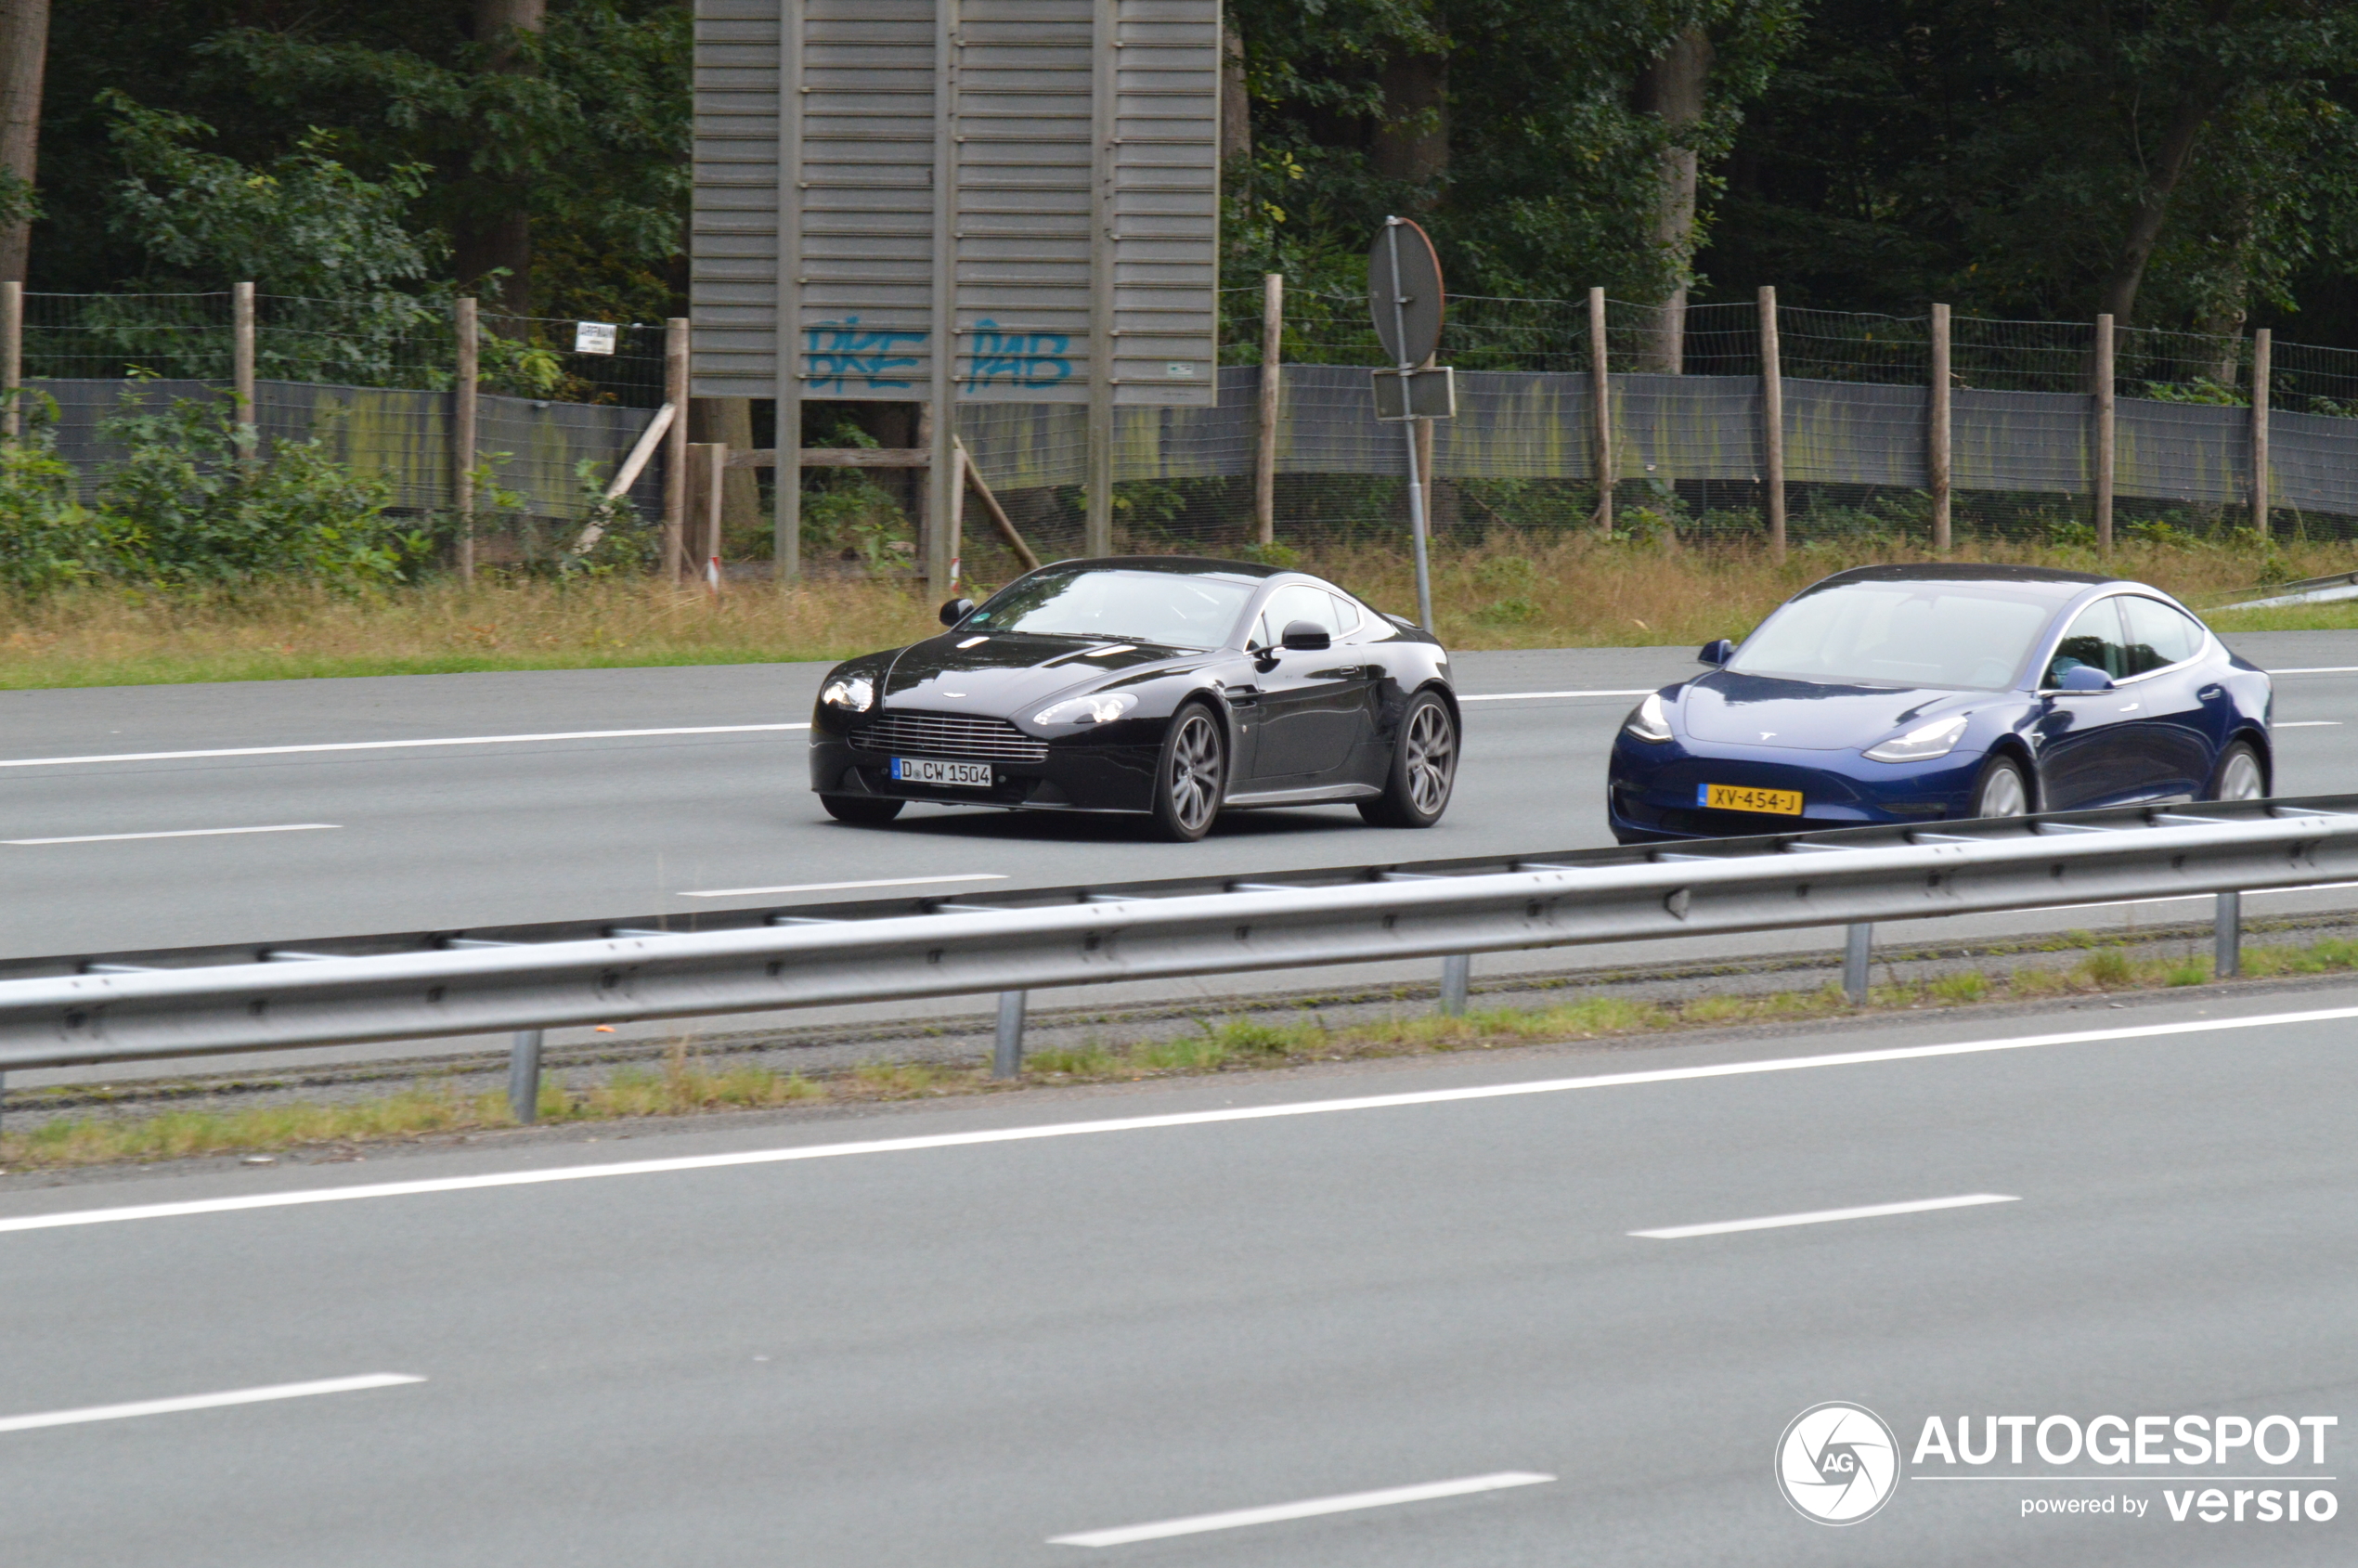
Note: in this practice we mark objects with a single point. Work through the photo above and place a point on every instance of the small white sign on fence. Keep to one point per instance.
(593, 337)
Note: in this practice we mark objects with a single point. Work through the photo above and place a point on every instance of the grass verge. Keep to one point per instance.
(1506, 590)
(683, 1085)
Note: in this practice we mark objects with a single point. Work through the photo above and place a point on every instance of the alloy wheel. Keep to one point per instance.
(2240, 779)
(1194, 773)
(2002, 794)
(1432, 758)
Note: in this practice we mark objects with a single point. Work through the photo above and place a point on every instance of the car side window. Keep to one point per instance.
(2094, 639)
(1346, 615)
(1295, 601)
(2159, 636)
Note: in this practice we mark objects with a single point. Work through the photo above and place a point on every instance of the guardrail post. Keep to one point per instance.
(1857, 948)
(2227, 959)
(523, 1077)
(1456, 975)
(1006, 1054)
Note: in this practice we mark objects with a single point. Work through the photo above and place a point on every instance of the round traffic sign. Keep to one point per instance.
(1404, 293)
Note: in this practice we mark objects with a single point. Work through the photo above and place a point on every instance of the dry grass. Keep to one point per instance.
(1510, 591)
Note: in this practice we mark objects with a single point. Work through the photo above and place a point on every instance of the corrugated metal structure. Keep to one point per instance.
(998, 134)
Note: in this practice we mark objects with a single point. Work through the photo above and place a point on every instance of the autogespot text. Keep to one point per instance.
(2288, 1453)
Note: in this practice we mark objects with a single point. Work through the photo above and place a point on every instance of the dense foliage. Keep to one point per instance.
(2182, 162)
(184, 507)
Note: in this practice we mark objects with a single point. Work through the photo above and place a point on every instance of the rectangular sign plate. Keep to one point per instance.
(1742, 798)
(927, 770)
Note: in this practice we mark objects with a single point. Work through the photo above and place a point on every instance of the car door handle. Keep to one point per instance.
(2210, 694)
(2126, 707)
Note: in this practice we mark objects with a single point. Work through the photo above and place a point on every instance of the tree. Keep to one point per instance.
(2167, 160)
(24, 56)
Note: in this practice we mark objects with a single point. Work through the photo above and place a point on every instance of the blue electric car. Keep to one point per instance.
(1919, 692)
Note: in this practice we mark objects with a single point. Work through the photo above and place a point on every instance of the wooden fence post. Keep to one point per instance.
(2102, 380)
(1937, 428)
(707, 466)
(1265, 452)
(675, 448)
(1772, 423)
(465, 409)
(1601, 401)
(2262, 351)
(11, 356)
(242, 366)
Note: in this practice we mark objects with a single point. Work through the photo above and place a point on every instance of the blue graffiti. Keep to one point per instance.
(840, 354)
(1019, 358)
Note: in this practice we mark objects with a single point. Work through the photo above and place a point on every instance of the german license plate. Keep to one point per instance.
(1743, 798)
(960, 775)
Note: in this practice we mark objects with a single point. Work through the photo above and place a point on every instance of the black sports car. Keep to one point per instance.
(1156, 684)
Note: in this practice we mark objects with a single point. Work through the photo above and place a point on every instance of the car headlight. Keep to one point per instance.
(1936, 739)
(1648, 720)
(855, 694)
(1102, 709)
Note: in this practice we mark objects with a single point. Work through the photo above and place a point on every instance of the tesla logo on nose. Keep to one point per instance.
(1767, 734)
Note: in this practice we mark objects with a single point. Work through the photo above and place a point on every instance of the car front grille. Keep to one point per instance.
(950, 735)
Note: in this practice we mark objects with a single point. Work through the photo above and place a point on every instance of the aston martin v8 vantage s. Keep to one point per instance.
(1164, 685)
(1918, 693)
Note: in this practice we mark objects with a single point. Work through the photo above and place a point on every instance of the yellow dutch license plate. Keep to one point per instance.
(1741, 797)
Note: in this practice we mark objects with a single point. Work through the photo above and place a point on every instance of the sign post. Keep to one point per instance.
(1405, 298)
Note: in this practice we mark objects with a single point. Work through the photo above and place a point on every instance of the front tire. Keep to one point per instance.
(1191, 776)
(2001, 791)
(861, 811)
(1424, 767)
(2240, 775)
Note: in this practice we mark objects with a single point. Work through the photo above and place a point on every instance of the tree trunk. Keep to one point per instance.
(1236, 108)
(1672, 89)
(728, 421)
(1412, 141)
(498, 237)
(24, 53)
(2205, 96)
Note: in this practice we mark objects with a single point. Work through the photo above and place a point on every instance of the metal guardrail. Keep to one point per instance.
(106, 1010)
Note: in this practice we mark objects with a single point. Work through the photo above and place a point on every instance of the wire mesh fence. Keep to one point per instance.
(372, 378)
(388, 339)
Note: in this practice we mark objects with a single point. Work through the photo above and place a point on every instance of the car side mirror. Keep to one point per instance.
(1307, 637)
(956, 611)
(1719, 652)
(2083, 678)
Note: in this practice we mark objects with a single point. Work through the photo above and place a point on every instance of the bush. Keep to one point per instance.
(48, 540)
(185, 510)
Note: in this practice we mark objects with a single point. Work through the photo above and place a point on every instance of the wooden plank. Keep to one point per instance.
(839, 457)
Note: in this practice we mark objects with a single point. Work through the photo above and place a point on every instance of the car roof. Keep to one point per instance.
(2045, 582)
(1177, 565)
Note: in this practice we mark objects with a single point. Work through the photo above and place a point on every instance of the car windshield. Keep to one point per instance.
(1159, 607)
(1904, 633)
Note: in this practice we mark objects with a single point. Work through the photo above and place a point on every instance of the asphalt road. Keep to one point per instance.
(410, 836)
(954, 1351)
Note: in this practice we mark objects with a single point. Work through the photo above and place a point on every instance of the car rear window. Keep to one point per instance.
(1903, 633)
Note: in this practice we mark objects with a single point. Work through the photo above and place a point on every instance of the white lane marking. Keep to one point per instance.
(204, 1401)
(395, 745)
(177, 833)
(832, 886)
(1824, 1216)
(2306, 724)
(1309, 1509)
(2321, 669)
(1142, 1123)
(1519, 697)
